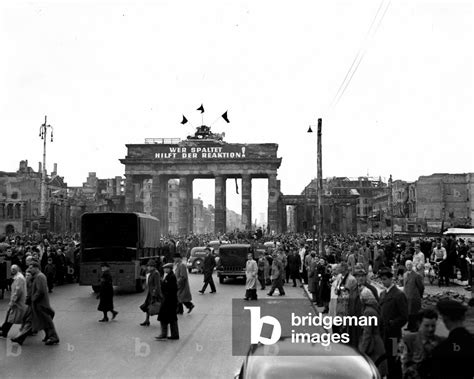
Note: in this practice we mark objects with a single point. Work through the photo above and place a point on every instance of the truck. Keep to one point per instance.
(126, 241)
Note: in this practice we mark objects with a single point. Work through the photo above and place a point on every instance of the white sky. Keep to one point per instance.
(122, 71)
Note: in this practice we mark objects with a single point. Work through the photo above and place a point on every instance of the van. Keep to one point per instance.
(232, 261)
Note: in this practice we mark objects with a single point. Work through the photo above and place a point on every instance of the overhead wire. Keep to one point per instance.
(360, 54)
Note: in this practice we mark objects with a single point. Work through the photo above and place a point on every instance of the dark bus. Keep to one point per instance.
(124, 240)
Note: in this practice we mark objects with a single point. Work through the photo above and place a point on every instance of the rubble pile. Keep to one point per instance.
(429, 301)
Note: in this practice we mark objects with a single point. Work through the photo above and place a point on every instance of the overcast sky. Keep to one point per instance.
(107, 73)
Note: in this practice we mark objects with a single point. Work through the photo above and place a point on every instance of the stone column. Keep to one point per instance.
(191, 204)
(159, 201)
(273, 196)
(138, 185)
(183, 217)
(220, 205)
(283, 217)
(129, 193)
(247, 202)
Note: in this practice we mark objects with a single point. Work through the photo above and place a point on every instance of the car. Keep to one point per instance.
(232, 261)
(285, 359)
(196, 258)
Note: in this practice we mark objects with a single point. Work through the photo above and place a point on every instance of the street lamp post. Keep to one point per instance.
(43, 131)
(390, 199)
(320, 187)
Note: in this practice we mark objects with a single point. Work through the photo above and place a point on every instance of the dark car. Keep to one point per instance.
(196, 258)
(232, 261)
(304, 360)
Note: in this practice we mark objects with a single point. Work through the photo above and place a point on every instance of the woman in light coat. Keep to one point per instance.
(251, 272)
(17, 306)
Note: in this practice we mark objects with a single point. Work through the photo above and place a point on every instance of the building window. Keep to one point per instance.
(10, 211)
(171, 203)
(17, 213)
(2, 210)
(14, 195)
(170, 215)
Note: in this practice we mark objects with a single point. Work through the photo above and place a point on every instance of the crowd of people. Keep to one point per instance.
(351, 276)
(358, 277)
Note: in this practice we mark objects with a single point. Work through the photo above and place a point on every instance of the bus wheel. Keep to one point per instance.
(96, 289)
(140, 285)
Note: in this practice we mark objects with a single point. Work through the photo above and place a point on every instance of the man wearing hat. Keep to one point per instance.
(362, 281)
(394, 311)
(413, 288)
(168, 315)
(184, 293)
(208, 270)
(154, 293)
(452, 358)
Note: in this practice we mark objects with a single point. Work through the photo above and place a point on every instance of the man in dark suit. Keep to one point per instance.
(208, 270)
(294, 264)
(394, 311)
(169, 306)
(452, 358)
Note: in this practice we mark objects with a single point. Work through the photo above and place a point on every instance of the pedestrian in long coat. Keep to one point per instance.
(184, 293)
(277, 275)
(208, 270)
(313, 283)
(413, 288)
(371, 341)
(324, 285)
(251, 271)
(394, 312)
(16, 307)
(262, 269)
(154, 293)
(294, 264)
(335, 281)
(106, 294)
(168, 315)
(41, 312)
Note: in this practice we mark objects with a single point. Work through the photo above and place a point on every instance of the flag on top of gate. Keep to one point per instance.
(185, 120)
(224, 116)
(201, 108)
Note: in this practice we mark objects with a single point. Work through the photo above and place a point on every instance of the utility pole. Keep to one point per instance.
(43, 131)
(390, 199)
(320, 188)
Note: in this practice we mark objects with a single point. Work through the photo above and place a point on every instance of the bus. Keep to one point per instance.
(126, 241)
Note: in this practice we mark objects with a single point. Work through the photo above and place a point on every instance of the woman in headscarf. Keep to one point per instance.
(106, 293)
(370, 341)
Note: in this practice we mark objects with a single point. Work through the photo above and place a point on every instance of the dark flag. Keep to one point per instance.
(224, 116)
(201, 108)
(185, 120)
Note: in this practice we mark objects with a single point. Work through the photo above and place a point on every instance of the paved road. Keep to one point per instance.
(122, 348)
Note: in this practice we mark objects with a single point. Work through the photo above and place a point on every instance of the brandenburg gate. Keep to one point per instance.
(204, 155)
